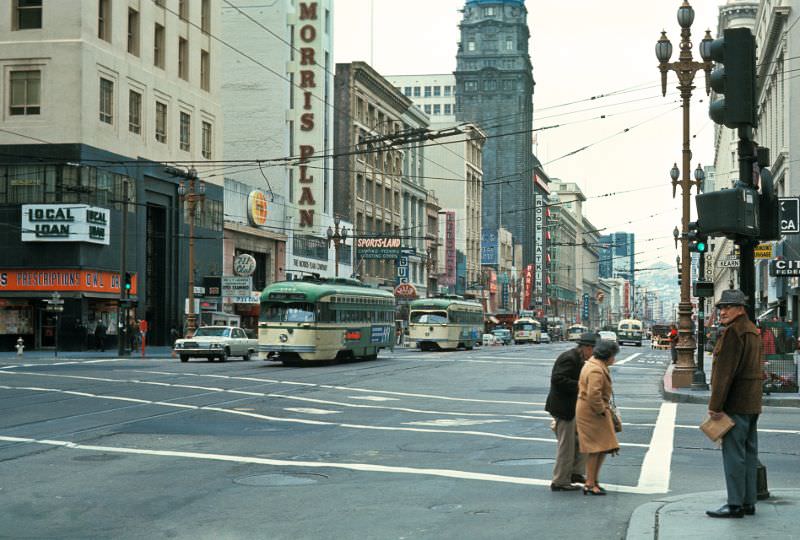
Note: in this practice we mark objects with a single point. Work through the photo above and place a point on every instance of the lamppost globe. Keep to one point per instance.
(674, 173)
(201, 188)
(336, 221)
(330, 233)
(663, 48)
(181, 189)
(685, 15)
(344, 233)
(705, 46)
(699, 174)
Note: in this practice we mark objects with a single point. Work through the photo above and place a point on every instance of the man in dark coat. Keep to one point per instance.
(100, 336)
(736, 386)
(570, 462)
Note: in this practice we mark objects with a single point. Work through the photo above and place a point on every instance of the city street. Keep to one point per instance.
(413, 445)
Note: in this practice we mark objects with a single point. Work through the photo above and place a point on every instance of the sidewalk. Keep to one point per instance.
(683, 517)
(49, 354)
(690, 395)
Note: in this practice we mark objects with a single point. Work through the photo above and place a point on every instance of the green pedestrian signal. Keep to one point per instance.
(128, 281)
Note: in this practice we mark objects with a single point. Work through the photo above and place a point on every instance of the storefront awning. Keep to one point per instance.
(492, 319)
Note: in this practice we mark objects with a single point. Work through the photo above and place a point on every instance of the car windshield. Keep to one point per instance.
(429, 317)
(291, 312)
(524, 326)
(212, 331)
(500, 332)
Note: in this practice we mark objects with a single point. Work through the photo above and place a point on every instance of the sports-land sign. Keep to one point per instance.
(378, 248)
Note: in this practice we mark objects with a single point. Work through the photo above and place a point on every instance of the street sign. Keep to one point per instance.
(783, 267)
(763, 251)
(237, 285)
(728, 263)
(789, 214)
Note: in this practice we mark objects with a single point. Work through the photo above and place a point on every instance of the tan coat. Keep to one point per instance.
(593, 413)
(736, 375)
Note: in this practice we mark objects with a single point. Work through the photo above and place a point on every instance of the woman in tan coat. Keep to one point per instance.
(595, 424)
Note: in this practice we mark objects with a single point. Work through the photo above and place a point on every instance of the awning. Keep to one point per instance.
(767, 314)
(493, 319)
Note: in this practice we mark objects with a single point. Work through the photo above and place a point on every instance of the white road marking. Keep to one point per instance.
(656, 467)
(360, 467)
(452, 422)
(295, 420)
(627, 359)
(308, 411)
(373, 398)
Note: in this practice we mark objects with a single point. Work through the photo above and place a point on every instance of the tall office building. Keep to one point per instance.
(494, 89)
(617, 257)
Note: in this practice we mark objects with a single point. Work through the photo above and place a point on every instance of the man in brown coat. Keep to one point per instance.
(736, 386)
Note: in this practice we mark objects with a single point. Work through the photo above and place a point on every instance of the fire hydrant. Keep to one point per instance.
(20, 346)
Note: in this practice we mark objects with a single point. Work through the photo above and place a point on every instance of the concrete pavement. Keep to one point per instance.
(27, 356)
(683, 517)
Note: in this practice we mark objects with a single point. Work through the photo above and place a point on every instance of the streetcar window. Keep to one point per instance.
(429, 317)
(293, 312)
(528, 327)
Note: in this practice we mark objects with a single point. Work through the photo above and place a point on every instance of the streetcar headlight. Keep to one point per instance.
(284, 338)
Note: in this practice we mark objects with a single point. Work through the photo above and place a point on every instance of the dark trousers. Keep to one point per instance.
(674, 352)
(740, 459)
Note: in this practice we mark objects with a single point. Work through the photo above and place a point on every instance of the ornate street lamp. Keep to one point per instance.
(338, 237)
(685, 68)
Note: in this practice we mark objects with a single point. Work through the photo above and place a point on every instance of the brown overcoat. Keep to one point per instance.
(736, 374)
(593, 413)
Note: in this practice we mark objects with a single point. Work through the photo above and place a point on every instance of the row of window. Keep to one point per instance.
(489, 85)
(491, 45)
(436, 109)
(106, 114)
(313, 247)
(429, 91)
(504, 63)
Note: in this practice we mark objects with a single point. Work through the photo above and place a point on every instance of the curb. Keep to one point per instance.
(643, 524)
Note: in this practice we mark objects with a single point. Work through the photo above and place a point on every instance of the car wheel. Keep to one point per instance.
(224, 357)
(184, 358)
(247, 356)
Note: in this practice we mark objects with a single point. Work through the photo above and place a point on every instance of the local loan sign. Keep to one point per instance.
(65, 223)
(378, 248)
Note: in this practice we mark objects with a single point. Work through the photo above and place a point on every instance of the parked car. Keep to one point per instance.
(607, 335)
(212, 342)
(503, 336)
(489, 339)
(544, 338)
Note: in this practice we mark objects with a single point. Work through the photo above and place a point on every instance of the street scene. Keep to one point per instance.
(313, 269)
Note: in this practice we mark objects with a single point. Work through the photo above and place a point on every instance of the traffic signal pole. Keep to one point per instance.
(699, 378)
(123, 292)
(747, 270)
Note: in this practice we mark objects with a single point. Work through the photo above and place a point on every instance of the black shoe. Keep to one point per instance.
(568, 487)
(749, 509)
(578, 479)
(727, 511)
(590, 490)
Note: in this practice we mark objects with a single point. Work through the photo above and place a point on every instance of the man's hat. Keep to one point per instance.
(587, 338)
(732, 297)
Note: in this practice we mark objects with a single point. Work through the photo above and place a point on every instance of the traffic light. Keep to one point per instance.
(735, 78)
(698, 242)
(768, 208)
(728, 212)
(128, 281)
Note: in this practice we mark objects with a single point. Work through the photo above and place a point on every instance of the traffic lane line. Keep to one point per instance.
(358, 467)
(627, 359)
(657, 465)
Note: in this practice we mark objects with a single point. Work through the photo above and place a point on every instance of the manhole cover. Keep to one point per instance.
(280, 479)
(97, 457)
(526, 461)
(446, 508)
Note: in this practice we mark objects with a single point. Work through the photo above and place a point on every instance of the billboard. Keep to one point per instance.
(450, 248)
(382, 247)
(539, 248)
(489, 247)
(526, 301)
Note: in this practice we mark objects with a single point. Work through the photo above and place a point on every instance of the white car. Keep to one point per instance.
(607, 335)
(216, 342)
(544, 338)
(489, 339)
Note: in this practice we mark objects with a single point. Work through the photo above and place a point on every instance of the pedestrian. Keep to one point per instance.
(736, 386)
(594, 417)
(100, 336)
(91, 328)
(570, 465)
(174, 335)
(673, 343)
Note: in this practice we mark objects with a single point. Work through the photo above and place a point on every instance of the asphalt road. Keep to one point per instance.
(414, 445)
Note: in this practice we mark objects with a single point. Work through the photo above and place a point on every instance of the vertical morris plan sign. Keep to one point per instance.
(450, 248)
(307, 114)
(539, 257)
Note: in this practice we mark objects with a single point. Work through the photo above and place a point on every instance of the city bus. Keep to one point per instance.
(446, 322)
(527, 330)
(630, 331)
(574, 332)
(317, 319)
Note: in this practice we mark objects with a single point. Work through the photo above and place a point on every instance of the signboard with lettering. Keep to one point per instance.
(783, 267)
(65, 223)
(244, 264)
(402, 270)
(63, 280)
(489, 247)
(789, 214)
(405, 290)
(539, 247)
(728, 263)
(763, 251)
(450, 249)
(378, 248)
(237, 285)
(526, 299)
(257, 208)
(585, 308)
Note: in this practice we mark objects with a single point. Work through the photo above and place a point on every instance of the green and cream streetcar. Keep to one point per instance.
(324, 319)
(444, 323)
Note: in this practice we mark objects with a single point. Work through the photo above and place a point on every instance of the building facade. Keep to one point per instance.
(97, 98)
(435, 95)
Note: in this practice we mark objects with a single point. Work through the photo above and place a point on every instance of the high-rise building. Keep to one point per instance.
(494, 89)
(617, 257)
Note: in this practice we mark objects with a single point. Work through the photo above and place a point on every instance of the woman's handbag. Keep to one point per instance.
(615, 416)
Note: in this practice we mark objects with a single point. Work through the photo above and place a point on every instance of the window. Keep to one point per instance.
(27, 14)
(437, 91)
(207, 140)
(135, 112)
(471, 86)
(186, 124)
(447, 91)
(509, 44)
(183, 10)
(104, 20)
(427, 109)
(508, 85)
(470, 45)
(407, 91)
(158, 46)
(447, 108)
(416, 91)
(205, 16)
(25, 92)
(106, 101)
(161, 122)
(437, 109)
(427, 91)
(488, 12)
(205, 70)
(183, 59)
(133, 32)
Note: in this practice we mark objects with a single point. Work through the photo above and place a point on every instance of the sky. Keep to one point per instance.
(579, 49)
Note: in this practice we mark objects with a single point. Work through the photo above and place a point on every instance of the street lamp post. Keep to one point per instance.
(338, 237)
(192, 197)
(55, 305)
(685, 69)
